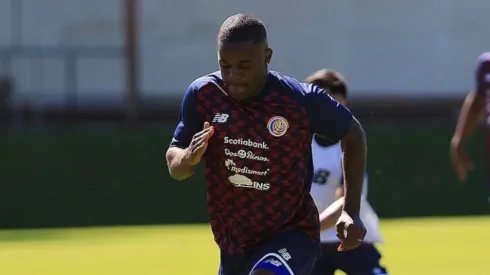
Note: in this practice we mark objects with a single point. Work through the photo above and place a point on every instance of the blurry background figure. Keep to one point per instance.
(472, 110)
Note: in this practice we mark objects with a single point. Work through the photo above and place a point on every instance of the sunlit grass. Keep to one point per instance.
(413, 246)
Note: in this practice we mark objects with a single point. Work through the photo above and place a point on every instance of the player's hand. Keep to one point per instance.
(350, 231)
(461, 162)
(199, 144)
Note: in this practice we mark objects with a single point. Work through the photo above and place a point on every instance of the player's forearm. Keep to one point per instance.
(329, 216)
(471, 112)
(178, 165)
(354, 160)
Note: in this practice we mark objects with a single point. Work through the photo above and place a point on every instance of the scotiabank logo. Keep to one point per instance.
(246, 142)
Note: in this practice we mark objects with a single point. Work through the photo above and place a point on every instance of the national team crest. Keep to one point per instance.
(277, 126)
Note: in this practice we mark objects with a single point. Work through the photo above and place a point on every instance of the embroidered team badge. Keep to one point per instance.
(277, 126)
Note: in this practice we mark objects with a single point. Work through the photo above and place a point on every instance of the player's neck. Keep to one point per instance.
(257, 93)
(261, 85)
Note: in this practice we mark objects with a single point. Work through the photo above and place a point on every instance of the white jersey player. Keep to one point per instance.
(327, 193)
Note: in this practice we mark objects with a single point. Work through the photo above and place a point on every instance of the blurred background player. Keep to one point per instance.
(471, 112)
(327, 193)
(253, 127)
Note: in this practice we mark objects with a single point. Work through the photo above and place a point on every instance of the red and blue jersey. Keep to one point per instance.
(258, 165)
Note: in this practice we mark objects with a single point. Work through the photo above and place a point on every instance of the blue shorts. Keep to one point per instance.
(363, 260)
(288, 253)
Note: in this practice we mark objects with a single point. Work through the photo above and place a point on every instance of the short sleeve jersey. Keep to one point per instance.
(258, 165)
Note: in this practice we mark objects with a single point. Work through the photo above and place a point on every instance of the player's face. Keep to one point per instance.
(244, 67)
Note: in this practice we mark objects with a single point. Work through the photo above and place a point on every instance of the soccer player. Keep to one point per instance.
(471, 112)
(252, 127)
(327, 193)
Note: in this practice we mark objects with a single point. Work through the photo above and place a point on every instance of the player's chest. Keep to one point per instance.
(258, 126)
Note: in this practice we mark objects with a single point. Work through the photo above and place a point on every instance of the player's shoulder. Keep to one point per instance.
(201, 82)
(297, 87)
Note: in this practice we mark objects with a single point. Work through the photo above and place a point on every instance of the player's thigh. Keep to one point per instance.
(365, 260)
(289, 253)
(233, 264)
(327, 263)
(323, 269)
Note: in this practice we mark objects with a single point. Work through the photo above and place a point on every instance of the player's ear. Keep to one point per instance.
(268, 55)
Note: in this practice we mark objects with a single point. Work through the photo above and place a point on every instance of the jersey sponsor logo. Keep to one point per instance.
(246, 142)
(277, 126)
(243, 182)
(243, 154)
(220, 118)
(243, 170)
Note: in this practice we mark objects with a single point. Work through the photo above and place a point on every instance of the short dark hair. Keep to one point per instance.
(242, 27)
(330, 80)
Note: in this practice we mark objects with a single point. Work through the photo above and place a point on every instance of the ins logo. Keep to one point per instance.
(277, 126)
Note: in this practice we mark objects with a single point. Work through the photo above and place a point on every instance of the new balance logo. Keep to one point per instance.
(220, 118)
(285, 254)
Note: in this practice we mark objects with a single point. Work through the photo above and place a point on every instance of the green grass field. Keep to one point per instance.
(414, 246)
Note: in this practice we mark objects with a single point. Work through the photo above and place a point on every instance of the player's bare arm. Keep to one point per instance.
(336, 86)
(191, 136)
(181, 161)
(354, 161)
(471, 112)
(350, 228)
(327, 157)
(337, 124)
(339, 192)
(330, 216)
(178, 167)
